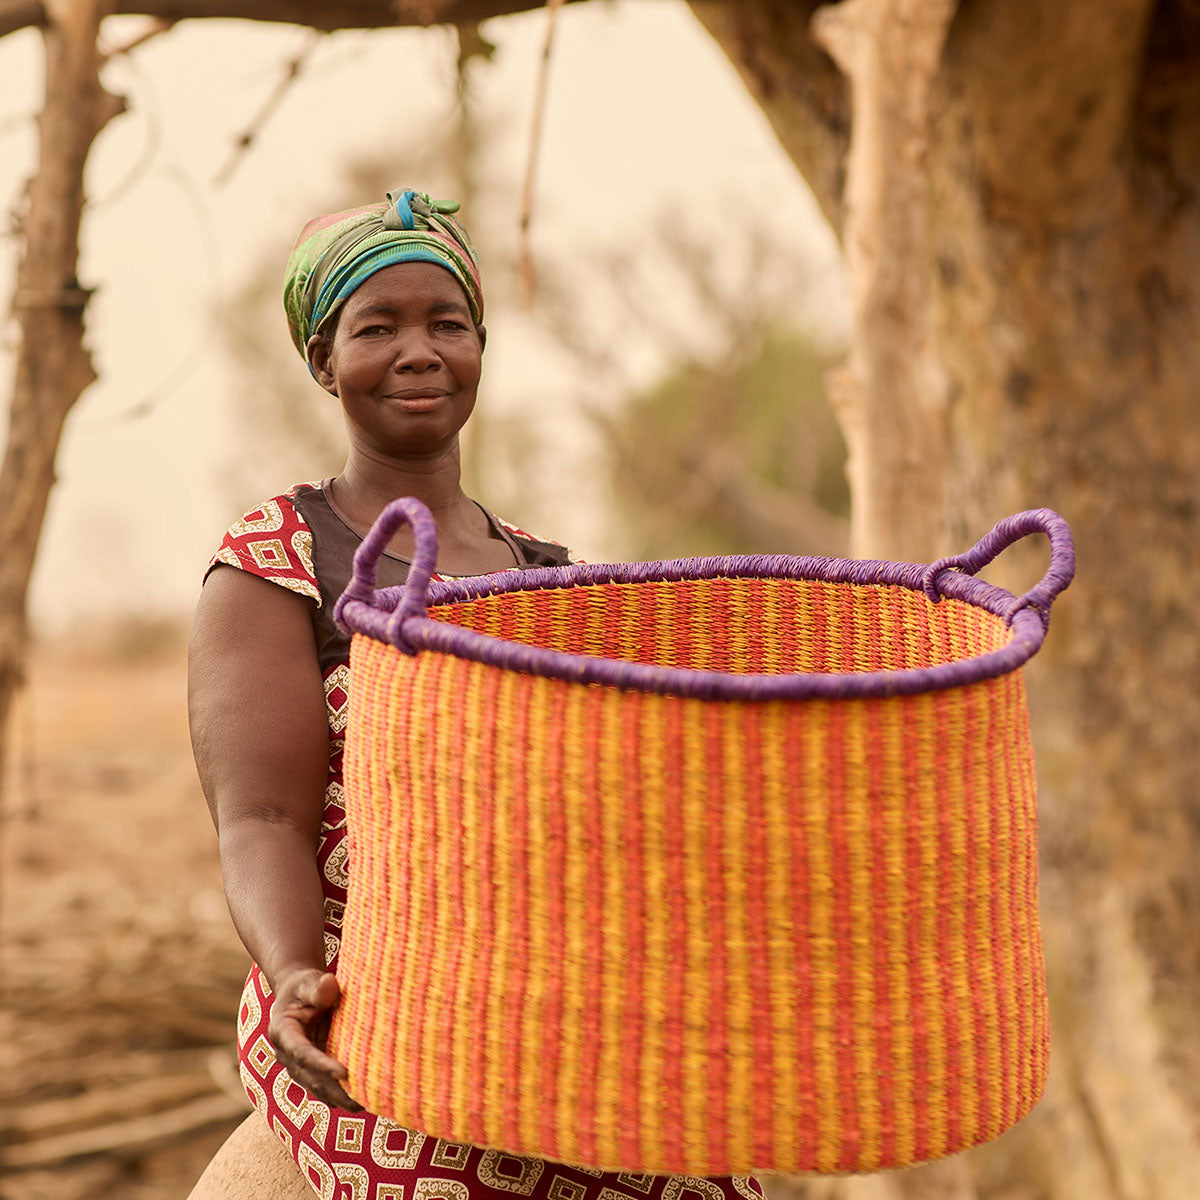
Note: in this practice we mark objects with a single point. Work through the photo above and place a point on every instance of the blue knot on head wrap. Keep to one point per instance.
(407, 203)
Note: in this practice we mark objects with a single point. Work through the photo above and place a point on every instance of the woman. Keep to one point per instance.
(385, 304)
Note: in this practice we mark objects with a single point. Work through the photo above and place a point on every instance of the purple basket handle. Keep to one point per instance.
(406, 511)
(1012, 529)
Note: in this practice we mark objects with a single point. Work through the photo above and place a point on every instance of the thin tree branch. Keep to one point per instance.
(525, 253)
(318, 14)
(248, 136)
(152, 30)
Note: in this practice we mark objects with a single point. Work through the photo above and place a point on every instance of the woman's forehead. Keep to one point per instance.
(409, 285)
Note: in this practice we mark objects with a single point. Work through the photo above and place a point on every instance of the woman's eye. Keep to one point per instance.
(454, 326)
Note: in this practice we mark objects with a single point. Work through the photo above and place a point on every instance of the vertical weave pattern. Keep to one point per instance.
(635, 931)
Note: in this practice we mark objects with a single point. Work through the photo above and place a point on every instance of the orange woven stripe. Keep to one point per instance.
(866, 903)
(760, 898)
(723, 724)
(562, 765)
(622, 862)
(701, 919)
(633, 1009)
(951, 944)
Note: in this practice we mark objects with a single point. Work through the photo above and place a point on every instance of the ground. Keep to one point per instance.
(121, 969)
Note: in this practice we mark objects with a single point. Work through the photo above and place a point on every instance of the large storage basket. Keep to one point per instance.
(698, 867)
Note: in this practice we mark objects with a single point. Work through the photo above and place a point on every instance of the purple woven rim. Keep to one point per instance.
(398, 617)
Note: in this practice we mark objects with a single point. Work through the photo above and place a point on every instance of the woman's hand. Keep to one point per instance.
(304, 1000)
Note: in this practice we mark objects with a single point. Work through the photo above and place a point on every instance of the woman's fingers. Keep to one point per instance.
(302, 1007)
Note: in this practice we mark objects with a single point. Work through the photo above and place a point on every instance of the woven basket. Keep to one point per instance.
(698, 867)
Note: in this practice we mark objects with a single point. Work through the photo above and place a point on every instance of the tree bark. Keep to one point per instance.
(53, 366)
(1022, 231)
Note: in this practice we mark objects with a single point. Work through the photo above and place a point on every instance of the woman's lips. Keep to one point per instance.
(418, 399)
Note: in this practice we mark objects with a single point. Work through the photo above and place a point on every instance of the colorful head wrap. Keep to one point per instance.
(336, 253)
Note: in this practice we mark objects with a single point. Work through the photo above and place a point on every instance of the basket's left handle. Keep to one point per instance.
(408, 510)
(1037, 520)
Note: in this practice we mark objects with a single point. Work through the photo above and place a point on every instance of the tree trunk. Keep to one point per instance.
(53, 367)
(1020, 221)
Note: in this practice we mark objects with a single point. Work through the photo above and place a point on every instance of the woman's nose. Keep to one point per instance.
(415, 353)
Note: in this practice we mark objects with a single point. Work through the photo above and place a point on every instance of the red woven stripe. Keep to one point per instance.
(843, 930)
(677, 924)
(634, 996)
(762, 1111)
(979, 751)
(517, 957)
(717, 1015)
(882, 978)
(592, 1012)
(944, 803)
(478, 1066)
(1001, 844)
(555, 876)
(421, 801)
(916, 772)
(446, 1018)
(799, 895)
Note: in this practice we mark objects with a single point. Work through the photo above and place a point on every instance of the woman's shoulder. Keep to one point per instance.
(274, 541)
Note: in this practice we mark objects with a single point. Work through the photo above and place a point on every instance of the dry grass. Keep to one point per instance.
(121, 970)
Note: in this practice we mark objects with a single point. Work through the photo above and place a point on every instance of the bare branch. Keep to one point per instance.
(535, 139)
(152, 30)
(246, 139)
(319, 14)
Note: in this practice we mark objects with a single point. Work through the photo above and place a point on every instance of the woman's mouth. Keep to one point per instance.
(418, 399)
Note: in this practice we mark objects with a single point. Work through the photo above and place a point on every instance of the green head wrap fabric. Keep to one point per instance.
(334, 254)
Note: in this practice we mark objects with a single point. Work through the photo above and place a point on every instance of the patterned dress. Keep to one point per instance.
(299, 541)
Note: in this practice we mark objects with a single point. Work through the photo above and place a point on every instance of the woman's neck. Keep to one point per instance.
(368, 484)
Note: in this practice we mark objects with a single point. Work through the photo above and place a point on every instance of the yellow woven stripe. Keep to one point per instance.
(820, 873)
(476, 749)
(962, 787)
(1035, 1069)
(696, 764)
(509, 776)
(1012, 990)
(1021, 797)
(735, 609)
(574, 789)
(770, 620)
(863, 898)
(915, 713)
(929, 967)
(781, 946)
(986, 802)
(348, 1033)
(414, 952)
(439, 941)
(541, 782)
(737, 985)
(610, 1097)
(653, 1102)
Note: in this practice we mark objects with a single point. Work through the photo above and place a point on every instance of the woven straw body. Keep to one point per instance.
(638, 930)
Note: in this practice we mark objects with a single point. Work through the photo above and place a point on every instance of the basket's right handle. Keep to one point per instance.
(1037, 520)
(407, 510)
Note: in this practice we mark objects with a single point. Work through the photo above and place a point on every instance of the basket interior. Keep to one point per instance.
(740, 626)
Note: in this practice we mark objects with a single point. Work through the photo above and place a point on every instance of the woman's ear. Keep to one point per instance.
(318, 360)
(482, 332)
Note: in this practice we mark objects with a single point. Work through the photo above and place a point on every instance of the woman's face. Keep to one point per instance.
(404, 361)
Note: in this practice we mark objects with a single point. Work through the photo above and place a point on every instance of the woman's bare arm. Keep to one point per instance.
(256, 705)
